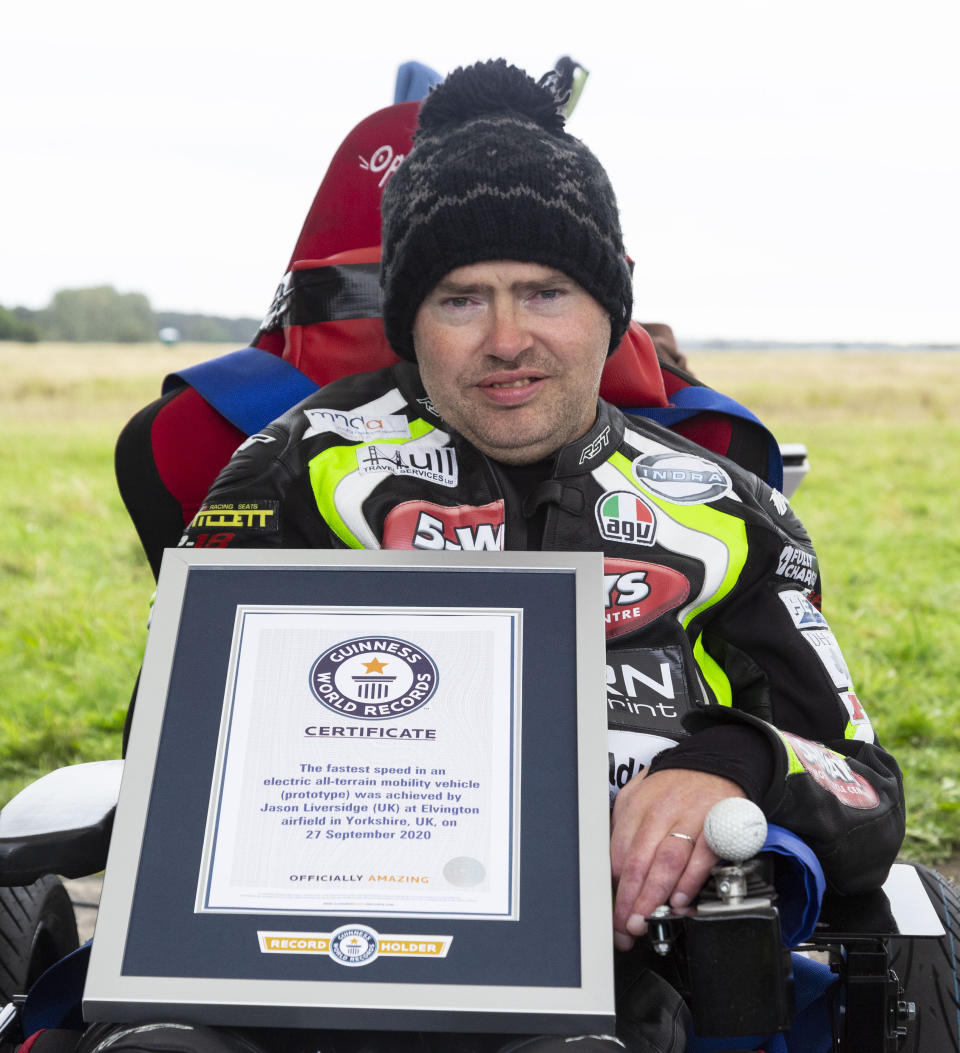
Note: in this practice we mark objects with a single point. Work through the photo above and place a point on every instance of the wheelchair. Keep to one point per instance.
(899, 990)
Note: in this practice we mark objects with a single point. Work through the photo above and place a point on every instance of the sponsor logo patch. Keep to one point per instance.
(832, 772)
(434, 464)
(801, 610)
(357, 427)
(646, 690)
(206, 540)
(828, 651)
(795, 564)
(625, 516)
(248, 518)
(383, 160)
(682, 478)
(427, 404)
(779, 502)
(254, 440)
(858, 716)
(373, 678)
(637, 593)
(598, 444)
(425, 525)
(629, 753)
(355, 944)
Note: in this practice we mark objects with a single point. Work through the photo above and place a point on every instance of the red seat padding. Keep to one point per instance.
(345, 213)
(191, 442)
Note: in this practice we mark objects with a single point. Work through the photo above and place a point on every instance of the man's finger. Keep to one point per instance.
(637, 898)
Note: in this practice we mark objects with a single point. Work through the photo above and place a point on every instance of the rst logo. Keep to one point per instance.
(637, 593)
(433, 527)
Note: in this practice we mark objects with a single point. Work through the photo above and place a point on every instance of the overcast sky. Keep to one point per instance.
(784, 170)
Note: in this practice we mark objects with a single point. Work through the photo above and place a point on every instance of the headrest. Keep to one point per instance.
(329, 311)
(345, 213)
(328, 307)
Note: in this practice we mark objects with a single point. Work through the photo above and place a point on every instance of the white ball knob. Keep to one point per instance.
(735, 829)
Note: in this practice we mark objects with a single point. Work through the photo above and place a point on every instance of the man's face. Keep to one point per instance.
(511, 355)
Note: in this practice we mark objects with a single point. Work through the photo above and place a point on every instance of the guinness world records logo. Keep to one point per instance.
(374, 678)
(354, 945)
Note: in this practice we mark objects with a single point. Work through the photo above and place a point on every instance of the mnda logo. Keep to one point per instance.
(625, 516)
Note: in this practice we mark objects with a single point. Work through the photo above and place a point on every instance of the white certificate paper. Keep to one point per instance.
(367, 763)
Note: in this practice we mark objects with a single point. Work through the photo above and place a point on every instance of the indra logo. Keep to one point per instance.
(624, 516)
(682, 478)
(374, 678)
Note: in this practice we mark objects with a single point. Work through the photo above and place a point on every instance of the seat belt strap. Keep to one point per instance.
(250, 387)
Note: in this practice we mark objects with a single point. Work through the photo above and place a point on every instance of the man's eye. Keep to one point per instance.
(457, 301)
(550, 294)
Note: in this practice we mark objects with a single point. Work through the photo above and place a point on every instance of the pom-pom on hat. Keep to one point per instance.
(493, 176)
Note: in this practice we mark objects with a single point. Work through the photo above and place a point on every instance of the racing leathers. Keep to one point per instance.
(718, 657)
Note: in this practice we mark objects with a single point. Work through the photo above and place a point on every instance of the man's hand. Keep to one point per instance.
(651, 866)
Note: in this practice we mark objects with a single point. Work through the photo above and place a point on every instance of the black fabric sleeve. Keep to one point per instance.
(735, 751)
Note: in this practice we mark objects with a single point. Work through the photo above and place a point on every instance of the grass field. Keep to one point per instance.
(881, 428)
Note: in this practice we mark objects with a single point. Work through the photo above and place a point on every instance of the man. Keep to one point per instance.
(505, 287)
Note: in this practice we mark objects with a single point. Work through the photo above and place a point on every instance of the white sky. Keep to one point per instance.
(784, 170)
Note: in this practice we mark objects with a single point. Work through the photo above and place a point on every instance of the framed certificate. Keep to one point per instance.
(364, 789)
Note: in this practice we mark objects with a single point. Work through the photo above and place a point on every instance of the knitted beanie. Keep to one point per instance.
(493, 176)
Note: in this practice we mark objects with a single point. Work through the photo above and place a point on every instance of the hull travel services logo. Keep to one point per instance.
(624, 516)
(374, 678)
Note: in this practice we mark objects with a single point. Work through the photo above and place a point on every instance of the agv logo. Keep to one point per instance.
(625, 516)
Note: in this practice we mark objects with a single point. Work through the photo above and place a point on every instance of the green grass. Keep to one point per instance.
(882, 433)
(880, 502)
(74, 585)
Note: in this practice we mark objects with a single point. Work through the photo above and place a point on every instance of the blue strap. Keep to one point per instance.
(689, 401)
(249, 387)
(414, 80)
(54, 999)
(799, 881)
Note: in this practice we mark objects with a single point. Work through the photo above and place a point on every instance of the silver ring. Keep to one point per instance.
(683, 837)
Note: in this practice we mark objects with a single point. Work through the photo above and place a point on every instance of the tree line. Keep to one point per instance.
(103, 314)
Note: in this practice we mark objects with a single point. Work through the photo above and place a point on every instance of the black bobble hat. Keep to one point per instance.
(494, 176)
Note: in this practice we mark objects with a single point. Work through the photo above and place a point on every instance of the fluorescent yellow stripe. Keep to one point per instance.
(331, 466)
(713, 674)
(731, 532)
